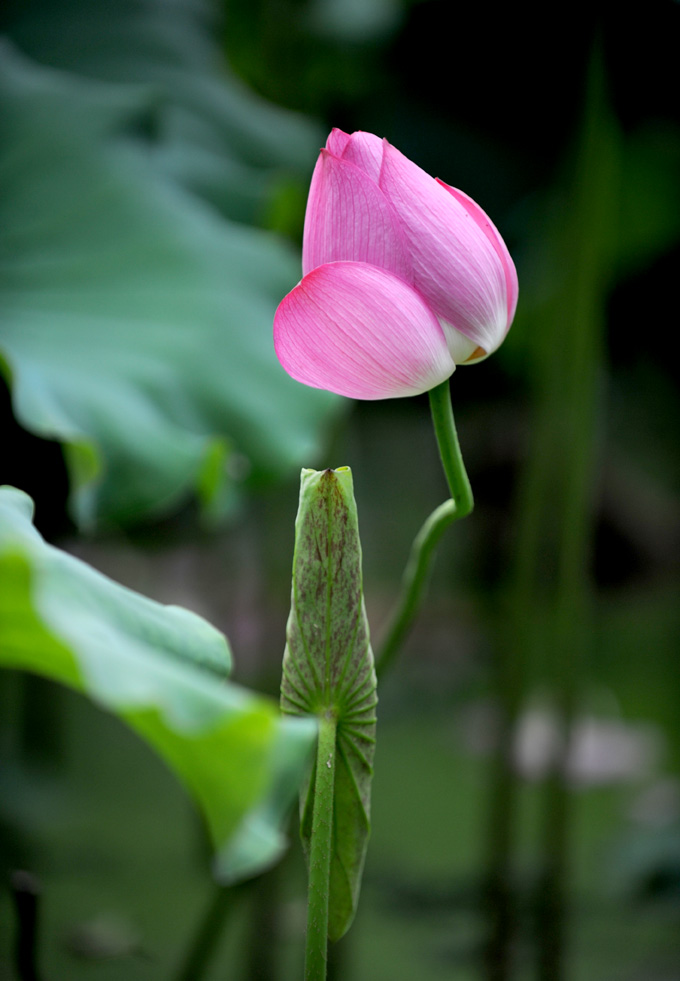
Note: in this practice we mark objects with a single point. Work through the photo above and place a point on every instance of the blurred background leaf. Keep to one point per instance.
(208, 131)
(137, 305)
(163, 671)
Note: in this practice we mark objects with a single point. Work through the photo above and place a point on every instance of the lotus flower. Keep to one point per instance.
(404, 277)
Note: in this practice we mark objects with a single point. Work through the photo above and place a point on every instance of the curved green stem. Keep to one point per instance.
(449, 450)
(413, 583)
(316, 953)
(422, 550)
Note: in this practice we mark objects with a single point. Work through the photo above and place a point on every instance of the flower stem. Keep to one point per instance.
(413, 583)
(422, 551)
(449, 449)
(316, 953)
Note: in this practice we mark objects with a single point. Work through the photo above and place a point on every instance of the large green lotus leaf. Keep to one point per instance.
(164, 671)
(211, 132)
(136, 320)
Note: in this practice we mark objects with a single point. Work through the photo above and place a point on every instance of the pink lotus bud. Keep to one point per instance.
(442, 274)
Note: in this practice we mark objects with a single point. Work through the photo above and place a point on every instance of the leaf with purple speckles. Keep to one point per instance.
(328, 668)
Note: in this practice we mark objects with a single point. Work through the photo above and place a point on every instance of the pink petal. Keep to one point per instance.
(494, 236)
(456, 264)
(366, 151)
(337, 141)
(349, 218)
(359, 331)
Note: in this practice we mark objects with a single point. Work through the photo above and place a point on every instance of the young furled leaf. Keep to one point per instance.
(328, 672)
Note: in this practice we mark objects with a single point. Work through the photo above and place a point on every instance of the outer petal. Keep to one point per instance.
(457, 266)
(349, 218)
(366, 151)
(494, 236)
(357, 330)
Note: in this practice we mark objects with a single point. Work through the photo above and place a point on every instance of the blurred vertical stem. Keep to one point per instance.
(26, 894)
(555, 525)
(262, 943)
(202, 949)
(588, 249)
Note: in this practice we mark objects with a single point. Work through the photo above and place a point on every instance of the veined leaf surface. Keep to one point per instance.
(137, 304)
(328, 668)
(164, 671)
